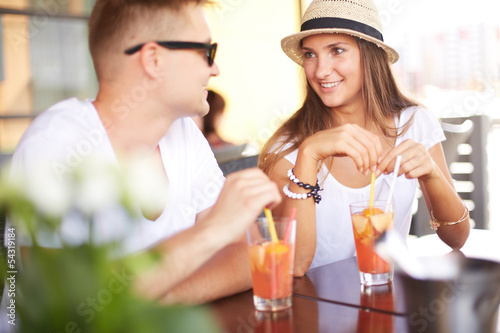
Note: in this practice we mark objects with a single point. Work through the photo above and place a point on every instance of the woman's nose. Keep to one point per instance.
(324, 67)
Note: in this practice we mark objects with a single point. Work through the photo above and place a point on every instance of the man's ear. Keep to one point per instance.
(150, 59)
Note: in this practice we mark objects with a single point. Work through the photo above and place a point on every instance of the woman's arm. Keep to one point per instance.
(348, 140)
(430, 168)
(444, 202)
(305, 243)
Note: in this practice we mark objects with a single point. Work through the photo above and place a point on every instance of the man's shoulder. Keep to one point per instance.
(65, 124)
(67, 112)
(67, 117)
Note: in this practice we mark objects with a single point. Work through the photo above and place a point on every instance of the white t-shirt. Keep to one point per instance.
(334, 235)
(71, 131)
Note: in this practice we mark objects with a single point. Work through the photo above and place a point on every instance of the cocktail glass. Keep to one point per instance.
(368, 224)
(271, 263)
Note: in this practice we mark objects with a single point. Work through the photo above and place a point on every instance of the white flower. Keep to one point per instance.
(50, 196)
(90, 188)
(97, 186)
(144, 186)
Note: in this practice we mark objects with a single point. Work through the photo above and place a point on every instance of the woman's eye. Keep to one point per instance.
(337, 50)
(308, 55)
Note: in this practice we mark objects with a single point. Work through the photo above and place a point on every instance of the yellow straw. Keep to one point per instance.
(272, 228)
(372, 189)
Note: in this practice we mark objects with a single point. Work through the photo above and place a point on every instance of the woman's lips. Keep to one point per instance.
(330, 84)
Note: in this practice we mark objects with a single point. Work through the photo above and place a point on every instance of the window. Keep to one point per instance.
(44, 58)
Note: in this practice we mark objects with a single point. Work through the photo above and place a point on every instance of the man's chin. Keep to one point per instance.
(204, 111)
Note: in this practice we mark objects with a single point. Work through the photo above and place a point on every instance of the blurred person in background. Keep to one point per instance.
(212, 121)
(210, 124)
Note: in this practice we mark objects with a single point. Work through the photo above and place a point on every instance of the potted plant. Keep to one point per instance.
(80, 287)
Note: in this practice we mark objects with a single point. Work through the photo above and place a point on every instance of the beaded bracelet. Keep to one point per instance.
(294, 179)
(313, 193)
(293, 195)
(435, 223)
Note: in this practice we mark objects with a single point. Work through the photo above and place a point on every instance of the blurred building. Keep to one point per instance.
(44, 58)
(458, 58)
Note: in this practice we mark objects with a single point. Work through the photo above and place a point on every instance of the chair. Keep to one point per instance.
(238, 164)
(456, 134)
(465, 154)
(229, 153)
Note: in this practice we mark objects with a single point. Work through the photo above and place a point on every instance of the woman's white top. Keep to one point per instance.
(334, 234)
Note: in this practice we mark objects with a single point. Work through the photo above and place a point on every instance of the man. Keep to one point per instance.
(149, 86)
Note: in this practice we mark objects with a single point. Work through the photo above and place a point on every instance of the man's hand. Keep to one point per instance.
(197, 265)
(244, 195)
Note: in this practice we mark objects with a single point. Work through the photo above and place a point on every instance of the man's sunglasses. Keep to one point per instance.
(210, 48)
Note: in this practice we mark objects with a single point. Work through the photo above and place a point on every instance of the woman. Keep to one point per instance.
(354, 121)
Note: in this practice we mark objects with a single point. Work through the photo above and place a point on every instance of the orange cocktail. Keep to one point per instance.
(271, 264)
(368, 224)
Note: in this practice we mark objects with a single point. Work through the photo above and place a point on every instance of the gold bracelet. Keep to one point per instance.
(435, 223)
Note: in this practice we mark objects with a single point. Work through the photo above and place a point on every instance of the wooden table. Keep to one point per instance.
(328, 299)
(237, 314)
(339, 283)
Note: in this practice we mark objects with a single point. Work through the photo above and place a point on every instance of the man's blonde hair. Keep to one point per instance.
(114, 24)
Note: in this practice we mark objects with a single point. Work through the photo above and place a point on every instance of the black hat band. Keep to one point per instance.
(341, 23)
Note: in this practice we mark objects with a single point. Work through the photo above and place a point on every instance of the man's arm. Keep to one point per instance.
(204, 262)
(227, 273)
(179, 257)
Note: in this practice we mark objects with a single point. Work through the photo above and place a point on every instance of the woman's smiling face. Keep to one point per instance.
(332, 64)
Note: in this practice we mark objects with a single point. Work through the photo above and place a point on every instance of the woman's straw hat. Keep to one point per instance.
(359, 18)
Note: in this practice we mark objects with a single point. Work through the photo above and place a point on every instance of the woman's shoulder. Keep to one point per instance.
(421, 125)
(416, 112)
(281, 144)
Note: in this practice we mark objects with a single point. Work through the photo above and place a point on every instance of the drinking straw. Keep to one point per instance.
(270, 224)
(289, 226)
(372, 189)
(393, 182)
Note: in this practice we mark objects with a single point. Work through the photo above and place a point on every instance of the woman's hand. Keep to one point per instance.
(416, 162)
(350, 140)
(429, 166)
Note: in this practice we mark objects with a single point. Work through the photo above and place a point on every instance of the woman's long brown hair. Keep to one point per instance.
(381, 96)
